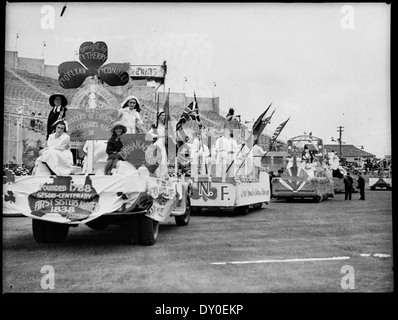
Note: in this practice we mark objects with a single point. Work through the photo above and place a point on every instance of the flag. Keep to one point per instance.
(166, 107)
(261, 125)
(257, 122)
(191, 112)
(278, 131)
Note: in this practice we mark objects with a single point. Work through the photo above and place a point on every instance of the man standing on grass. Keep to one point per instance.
(361, 186)
(348, 186)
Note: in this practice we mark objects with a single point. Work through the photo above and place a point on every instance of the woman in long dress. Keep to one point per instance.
(158, 133)
(56, 155)
(129, 115)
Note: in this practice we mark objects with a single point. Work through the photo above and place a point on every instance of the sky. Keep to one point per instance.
(324, 65)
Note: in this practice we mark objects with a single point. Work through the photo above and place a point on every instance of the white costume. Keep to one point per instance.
(57, 155)
(96, 156)
(160, 134)
(199, 155)
(130, 118)
(258, 154)
(223, 152)
(243, 154)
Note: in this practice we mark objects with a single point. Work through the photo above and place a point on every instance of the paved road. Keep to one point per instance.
(283, 247)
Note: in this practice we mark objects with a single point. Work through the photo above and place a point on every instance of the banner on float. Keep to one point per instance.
(71, 199)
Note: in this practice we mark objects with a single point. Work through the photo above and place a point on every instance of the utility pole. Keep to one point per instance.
(340, 141)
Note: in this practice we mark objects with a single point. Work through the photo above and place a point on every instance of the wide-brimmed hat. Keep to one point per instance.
(119, 124)
(64, 101)
(124, 103)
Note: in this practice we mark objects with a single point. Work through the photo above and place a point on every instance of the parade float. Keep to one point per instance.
(134, 196)
(380, 179)
(230, 185)
(307, 174)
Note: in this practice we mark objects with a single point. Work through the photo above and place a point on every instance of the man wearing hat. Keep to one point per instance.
(58, 112)
(361, 186)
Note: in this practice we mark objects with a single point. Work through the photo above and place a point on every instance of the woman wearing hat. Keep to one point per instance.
(114, 146)
(58, 112)
(129, 115)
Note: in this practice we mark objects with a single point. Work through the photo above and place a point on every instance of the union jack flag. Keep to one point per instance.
(191, 112)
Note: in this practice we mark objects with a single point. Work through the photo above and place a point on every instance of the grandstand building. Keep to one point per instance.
(28, 83)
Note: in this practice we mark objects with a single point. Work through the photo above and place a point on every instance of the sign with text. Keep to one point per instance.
(90, 124)
(72, 201)
(151, 73)
(92, 57)
(138, 149)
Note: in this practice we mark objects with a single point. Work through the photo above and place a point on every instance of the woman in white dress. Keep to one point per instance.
(57, 155)
(129, 115)
(158, 133)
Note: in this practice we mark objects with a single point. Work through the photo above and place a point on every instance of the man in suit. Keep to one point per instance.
(361, 186)
(348, 186)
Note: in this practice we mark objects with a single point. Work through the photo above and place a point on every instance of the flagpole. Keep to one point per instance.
(255, 124)
(272, 143)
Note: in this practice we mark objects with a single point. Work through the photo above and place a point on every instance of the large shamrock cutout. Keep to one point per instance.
(92, 57)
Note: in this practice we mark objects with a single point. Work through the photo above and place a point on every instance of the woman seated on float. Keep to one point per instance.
(114, 146)
(56, 157)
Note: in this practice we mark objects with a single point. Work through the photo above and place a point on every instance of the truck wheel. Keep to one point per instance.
(184, 219)
(372, 188)
(317, 199)
(149, 231)
(39, 230)
(56, 232)
(243, 210)
(98, 224)
(133, 229)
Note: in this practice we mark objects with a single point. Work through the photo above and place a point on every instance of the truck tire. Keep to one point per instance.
(56, 232)
(243, 210)
(39, 230)
(98, 224)
(133, 229)
(149, 231)
(183, 220)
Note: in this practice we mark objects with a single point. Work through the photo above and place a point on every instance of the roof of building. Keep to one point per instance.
(348, 150)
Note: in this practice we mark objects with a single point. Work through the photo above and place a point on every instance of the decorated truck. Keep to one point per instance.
(133, 199)
(307, 174)
(133, 196)
(380, 179)
(232, 193)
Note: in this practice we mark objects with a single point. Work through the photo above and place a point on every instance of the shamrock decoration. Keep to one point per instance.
(92, 57)
(9, 197)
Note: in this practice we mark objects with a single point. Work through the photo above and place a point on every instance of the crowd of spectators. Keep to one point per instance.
(21, 170)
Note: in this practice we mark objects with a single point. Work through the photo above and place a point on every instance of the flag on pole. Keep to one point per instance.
(258, 121)
(278, 131)
(166, 107)
(191, 112)
(263, 123)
